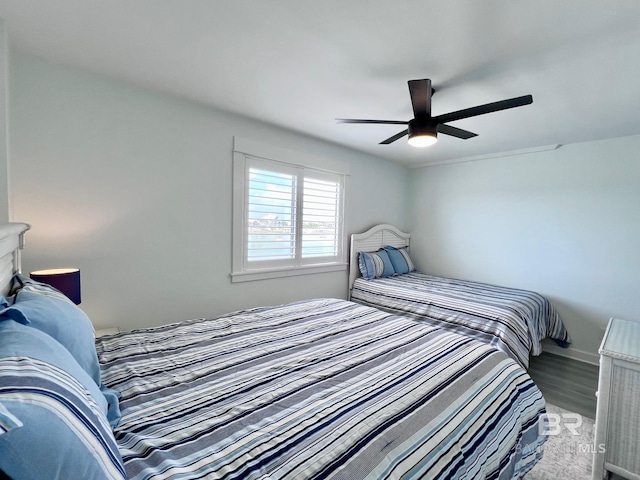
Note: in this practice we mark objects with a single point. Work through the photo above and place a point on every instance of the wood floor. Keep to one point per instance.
(567, 383)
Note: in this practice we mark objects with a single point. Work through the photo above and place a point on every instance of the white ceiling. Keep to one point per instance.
(300, 64)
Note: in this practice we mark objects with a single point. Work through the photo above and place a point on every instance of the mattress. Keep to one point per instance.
(513, 320)
(318, 389)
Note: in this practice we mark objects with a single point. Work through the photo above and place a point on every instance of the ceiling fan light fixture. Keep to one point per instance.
(422, 134)
(421, 140)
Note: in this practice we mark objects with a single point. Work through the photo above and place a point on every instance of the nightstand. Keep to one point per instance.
(618, 413)
(107, 331)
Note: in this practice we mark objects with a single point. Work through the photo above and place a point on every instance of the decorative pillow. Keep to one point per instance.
(21, 283)
(113, 405)
(8, 421)
(400, 259)
(18, 340)
(375, 264)
(62, 320)
(51, 312)
(59, 429)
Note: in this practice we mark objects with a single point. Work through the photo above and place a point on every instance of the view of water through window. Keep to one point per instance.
(272, 216)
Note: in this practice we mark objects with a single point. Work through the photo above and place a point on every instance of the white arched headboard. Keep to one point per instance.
(373, 239)
(11, 244)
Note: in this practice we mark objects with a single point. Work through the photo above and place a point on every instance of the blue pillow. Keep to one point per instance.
(65, 322)
(56, 422)
(62, 320)
(21, 283)
(113, 405)
(18, 340)
(8, 421)
(375, 265)
(400, 259)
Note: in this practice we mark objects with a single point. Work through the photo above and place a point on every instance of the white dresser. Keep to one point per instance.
(617, 437)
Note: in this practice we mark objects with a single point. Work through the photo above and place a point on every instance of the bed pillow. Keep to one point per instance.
(8, 421)
(21, 283)
(375, 264)
(56, 426)
(400, 259)
(18, 340)
(62, 320)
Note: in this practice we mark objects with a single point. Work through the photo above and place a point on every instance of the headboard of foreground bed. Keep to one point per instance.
(373, 239)
(11, 244)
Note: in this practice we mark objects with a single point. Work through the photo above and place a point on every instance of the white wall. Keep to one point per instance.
(564, 223)
(134, 187)
(4, 115)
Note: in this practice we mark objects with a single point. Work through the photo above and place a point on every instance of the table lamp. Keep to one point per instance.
(67, 280)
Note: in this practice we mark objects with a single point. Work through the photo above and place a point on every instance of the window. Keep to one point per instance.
(288, 218)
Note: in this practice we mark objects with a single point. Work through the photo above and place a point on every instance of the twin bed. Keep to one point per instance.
(322, 388)
(514, 320)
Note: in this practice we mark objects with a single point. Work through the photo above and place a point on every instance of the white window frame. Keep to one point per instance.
(248, 151)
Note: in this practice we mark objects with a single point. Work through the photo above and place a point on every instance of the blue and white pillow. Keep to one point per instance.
(400, 259)
(44, 308)
(22, 283)
(20, 340)
(375, 264)
(8, 421)
(62, 320)
(52, 410)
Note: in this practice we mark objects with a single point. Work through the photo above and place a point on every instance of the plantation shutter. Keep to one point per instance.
(320, 216)
(293, 215)
(271, 216)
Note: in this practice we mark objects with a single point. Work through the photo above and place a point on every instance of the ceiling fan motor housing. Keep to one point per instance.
(422, 127)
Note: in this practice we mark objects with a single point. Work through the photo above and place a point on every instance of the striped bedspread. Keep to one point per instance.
(319, 389)
(513, 320)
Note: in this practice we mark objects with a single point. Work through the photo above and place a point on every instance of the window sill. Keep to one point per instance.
(237, 277)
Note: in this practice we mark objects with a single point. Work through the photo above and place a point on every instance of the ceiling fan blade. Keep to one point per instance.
(420, 91)
(360, 120)
(455, 132)
(483, 109)
(397, 136)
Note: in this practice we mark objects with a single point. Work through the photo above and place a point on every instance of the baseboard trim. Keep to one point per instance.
(572, 353)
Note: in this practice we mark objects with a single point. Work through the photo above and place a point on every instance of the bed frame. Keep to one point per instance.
(11, 245)
(373, 239)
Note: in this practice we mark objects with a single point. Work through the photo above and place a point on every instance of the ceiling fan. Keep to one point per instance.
(423, 129)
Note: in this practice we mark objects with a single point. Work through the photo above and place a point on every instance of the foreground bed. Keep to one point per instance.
(514, 320)
(318, 389)
(323, 388)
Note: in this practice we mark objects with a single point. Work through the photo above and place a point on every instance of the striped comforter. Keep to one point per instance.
(319, 389)
(513, 320)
